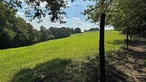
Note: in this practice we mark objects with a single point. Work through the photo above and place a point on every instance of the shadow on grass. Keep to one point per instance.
(116, 42)
(60, 70)
(50, 71)
(63, 70)
(66, 70)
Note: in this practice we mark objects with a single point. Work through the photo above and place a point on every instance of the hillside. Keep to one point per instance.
(77, 46)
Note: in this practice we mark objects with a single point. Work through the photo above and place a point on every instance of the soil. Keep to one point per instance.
(130, 64)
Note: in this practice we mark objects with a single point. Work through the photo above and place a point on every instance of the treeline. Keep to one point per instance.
(92, 29)
(55, 32)
(16, 32)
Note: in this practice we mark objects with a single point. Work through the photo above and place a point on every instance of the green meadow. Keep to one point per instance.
(77, 46)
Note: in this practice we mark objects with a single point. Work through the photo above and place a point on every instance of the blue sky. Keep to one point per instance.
(74, 17)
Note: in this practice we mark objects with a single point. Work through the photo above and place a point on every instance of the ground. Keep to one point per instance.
(130, 65)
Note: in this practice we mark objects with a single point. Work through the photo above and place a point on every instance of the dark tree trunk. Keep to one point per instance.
(130, 36)
(127, 39)
(101, 49)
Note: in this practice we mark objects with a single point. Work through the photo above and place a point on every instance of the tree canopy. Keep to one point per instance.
(93, 12)
(121, 14)
(128, 14)
(53, 8)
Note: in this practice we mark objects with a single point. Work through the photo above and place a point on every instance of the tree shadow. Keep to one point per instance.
(64, 70)
(137, 54)
(116, 42)
(50, 71)
(112, 73)
(137, 43)
(123, 57)
(115, 75)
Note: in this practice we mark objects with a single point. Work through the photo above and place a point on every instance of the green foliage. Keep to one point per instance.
(54, 8)
(77, 47)
(77, 30)
(93, 12)
(92, 29)
(60, 32)
(15, 32)
(128, 14)
(121, 14)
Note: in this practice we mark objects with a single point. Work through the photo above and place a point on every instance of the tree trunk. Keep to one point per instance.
(130, 36)
(127, 41)
(101, 49)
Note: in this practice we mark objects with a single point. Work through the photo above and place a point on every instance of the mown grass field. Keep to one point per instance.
(77, 46)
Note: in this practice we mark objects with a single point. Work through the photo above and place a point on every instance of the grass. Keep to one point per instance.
(77, 46)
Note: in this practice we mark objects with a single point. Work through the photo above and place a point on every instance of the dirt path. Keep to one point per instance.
(130, 65)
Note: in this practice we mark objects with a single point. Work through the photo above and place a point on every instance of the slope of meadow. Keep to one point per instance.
(77, 46)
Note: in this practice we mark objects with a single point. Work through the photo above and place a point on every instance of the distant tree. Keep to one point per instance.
(92, 29)
(85, 30)
(72, 30)
(54, 31)
(60, 32)
(51, 36)
(64, 32)
(77, 30)
(44, 34)
(35, 36)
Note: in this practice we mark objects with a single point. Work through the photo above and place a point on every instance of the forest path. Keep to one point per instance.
(130, 65)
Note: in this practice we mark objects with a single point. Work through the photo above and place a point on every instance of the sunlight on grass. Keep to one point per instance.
(77, 46)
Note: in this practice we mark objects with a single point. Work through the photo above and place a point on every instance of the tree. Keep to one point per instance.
(54, 8)
(44, 34)
(77, 30)
(97, 13)
(125, 14)
(127, 17)
(64, 32)
(60, 32)
(92, 29)
(14, 31)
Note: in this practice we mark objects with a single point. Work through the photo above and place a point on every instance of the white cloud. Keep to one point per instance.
(81, 3)
(46, 23)
(75, 19)
(20, 14)
(71, 22)
(43, 4)
(77, 22)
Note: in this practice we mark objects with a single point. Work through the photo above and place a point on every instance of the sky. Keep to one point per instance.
(74, 17)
